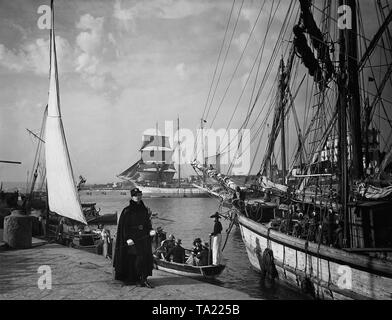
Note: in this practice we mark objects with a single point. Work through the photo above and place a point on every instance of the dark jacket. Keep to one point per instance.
(132, 262)
(217, 228)
(158, 238)
(203, 257)
(178, 254)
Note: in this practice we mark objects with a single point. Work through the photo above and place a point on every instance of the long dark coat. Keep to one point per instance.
(133, 263)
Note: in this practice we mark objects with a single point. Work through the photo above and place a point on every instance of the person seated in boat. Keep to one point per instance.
(160, 236)
(203, 255)
(170, 241)
(177, 253)
(197, 247)
(166, 246)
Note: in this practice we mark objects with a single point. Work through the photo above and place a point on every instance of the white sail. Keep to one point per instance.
(62, 193)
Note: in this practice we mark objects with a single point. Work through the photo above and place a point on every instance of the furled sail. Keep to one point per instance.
(62, 194)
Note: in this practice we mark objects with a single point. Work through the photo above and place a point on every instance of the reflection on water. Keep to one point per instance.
(188, 218)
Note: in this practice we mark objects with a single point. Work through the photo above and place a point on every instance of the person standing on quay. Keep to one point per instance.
(216, 240)
(133, 261)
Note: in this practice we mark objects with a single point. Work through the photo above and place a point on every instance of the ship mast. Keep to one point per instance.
(179, 152)
(282, 122)
(354, 103)
(349, 101)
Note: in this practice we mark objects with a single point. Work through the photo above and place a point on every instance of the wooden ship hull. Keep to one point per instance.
(333, 273)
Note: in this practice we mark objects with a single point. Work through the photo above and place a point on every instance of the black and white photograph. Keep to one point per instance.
(198, 155)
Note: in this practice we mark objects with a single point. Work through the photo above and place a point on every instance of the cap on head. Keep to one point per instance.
(135, 192)
(215, 215)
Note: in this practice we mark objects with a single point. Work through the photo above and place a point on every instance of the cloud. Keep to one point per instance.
(89, 43)
(164, 9)
(34, 56)
(180, 69)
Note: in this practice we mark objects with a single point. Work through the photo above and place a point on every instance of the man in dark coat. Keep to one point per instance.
(133, 261)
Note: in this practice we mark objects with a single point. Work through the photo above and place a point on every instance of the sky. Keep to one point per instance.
(124, 65)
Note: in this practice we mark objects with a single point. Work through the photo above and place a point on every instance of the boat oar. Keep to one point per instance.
(164, 219)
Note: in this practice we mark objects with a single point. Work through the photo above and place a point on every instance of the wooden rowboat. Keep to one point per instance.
(210, 271)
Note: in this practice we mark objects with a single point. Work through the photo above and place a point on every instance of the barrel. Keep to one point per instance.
(18, 230)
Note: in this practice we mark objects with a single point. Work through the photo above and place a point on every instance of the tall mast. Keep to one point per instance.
(342, 125)
(282, 129)
(354, 102)
(179, 152)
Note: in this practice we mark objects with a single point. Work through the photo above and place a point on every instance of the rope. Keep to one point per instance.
(216, 68)
(224, 62)
(228, 233)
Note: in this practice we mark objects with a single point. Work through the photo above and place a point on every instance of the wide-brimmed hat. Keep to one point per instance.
(135, 192)
(215, 215)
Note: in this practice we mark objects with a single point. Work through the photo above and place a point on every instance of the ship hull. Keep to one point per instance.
(172, 192)
(333, 273)
(155, 176)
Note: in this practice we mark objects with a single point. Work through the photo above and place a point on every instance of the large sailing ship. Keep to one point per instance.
(153, 173)
(323, 219)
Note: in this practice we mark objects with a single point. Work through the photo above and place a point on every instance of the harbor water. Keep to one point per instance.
(188, 218)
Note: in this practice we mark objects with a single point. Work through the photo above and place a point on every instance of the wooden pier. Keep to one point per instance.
(78, 275)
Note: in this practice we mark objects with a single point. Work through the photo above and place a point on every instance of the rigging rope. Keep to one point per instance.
(225, 58)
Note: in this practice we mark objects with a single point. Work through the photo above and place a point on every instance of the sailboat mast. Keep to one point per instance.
(179, 152)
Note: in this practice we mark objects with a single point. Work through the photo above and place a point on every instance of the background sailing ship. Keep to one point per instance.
(318, 216)
(153, 173)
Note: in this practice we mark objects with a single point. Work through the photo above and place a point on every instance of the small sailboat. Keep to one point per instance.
(61, 197)
(62, 193)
